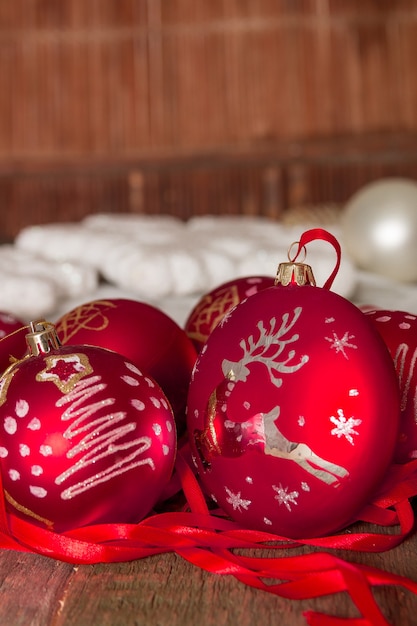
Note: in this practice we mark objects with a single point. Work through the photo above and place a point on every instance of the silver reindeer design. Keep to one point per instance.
(260, 432)
(277, 445)
(267, 349)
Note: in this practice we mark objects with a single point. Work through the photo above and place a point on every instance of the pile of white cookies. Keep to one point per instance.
(152, 257)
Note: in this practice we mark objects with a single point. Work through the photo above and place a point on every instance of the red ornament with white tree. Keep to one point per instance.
(85, 436)
(293, 407)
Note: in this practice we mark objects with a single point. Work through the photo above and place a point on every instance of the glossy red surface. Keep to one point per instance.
(399, 332)
(85, 438)
(293, 411)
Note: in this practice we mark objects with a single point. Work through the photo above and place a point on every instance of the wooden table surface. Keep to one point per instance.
(166, 590)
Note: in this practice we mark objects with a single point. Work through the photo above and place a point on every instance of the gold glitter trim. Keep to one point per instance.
(81, 368)
(22, 509)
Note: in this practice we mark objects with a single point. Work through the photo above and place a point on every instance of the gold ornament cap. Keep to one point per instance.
(43, 338)
(294, 273)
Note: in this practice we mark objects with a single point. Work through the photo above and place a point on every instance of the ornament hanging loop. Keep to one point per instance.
(301, 274)
(293, 259)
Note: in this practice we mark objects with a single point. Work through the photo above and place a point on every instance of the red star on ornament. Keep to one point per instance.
(65, 370)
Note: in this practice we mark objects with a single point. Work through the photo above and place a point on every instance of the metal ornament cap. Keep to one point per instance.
(291, 273)
(43, 338)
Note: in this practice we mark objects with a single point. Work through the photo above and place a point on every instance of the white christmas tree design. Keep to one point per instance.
(344, 427)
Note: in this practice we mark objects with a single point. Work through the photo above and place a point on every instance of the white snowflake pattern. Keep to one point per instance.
(236, 500)
(285, 497)
(340, 344)
(344, 427)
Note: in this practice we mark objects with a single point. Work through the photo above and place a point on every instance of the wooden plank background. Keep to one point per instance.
(133, 105)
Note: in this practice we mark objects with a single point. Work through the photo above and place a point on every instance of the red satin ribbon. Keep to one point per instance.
(319, 233)
(209, 540)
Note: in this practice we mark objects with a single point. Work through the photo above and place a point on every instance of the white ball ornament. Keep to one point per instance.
(379, 228)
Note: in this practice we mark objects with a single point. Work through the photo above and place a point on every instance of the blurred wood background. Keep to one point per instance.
(190, 107)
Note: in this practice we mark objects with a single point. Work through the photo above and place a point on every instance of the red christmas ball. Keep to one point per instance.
(142, 333)
(85, 437)
(293, 411)
(213, 306)
(399, 332)
(12, 342)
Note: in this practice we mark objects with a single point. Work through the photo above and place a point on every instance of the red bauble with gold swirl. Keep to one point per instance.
(12, 342)
(213, 306)
(144, 334)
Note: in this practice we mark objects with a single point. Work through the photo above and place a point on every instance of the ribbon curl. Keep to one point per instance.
(210, 541)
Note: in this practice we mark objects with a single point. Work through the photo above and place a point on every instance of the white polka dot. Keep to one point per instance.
(34, 424)
(133, 368)
(138, 404)
(14, 474)
(36, 470)
(267, 521)
(249, 479)
(46, 450)
(129, 380)
(157, 429)
(24, 449)
(383, 318)
(405, 326)
(38, 492)
(10, 425)
(164, 403)
(169, 426)
(22, 408)
(150, 382)
(165, 450)
(3, 452)
(156, 402)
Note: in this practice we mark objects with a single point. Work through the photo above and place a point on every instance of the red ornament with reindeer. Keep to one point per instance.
(85, 436)
(293, 407)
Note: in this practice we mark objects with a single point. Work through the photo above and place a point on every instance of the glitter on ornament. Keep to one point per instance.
(236, 500)
(344, 427)
(284, 497)
(340, 344)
